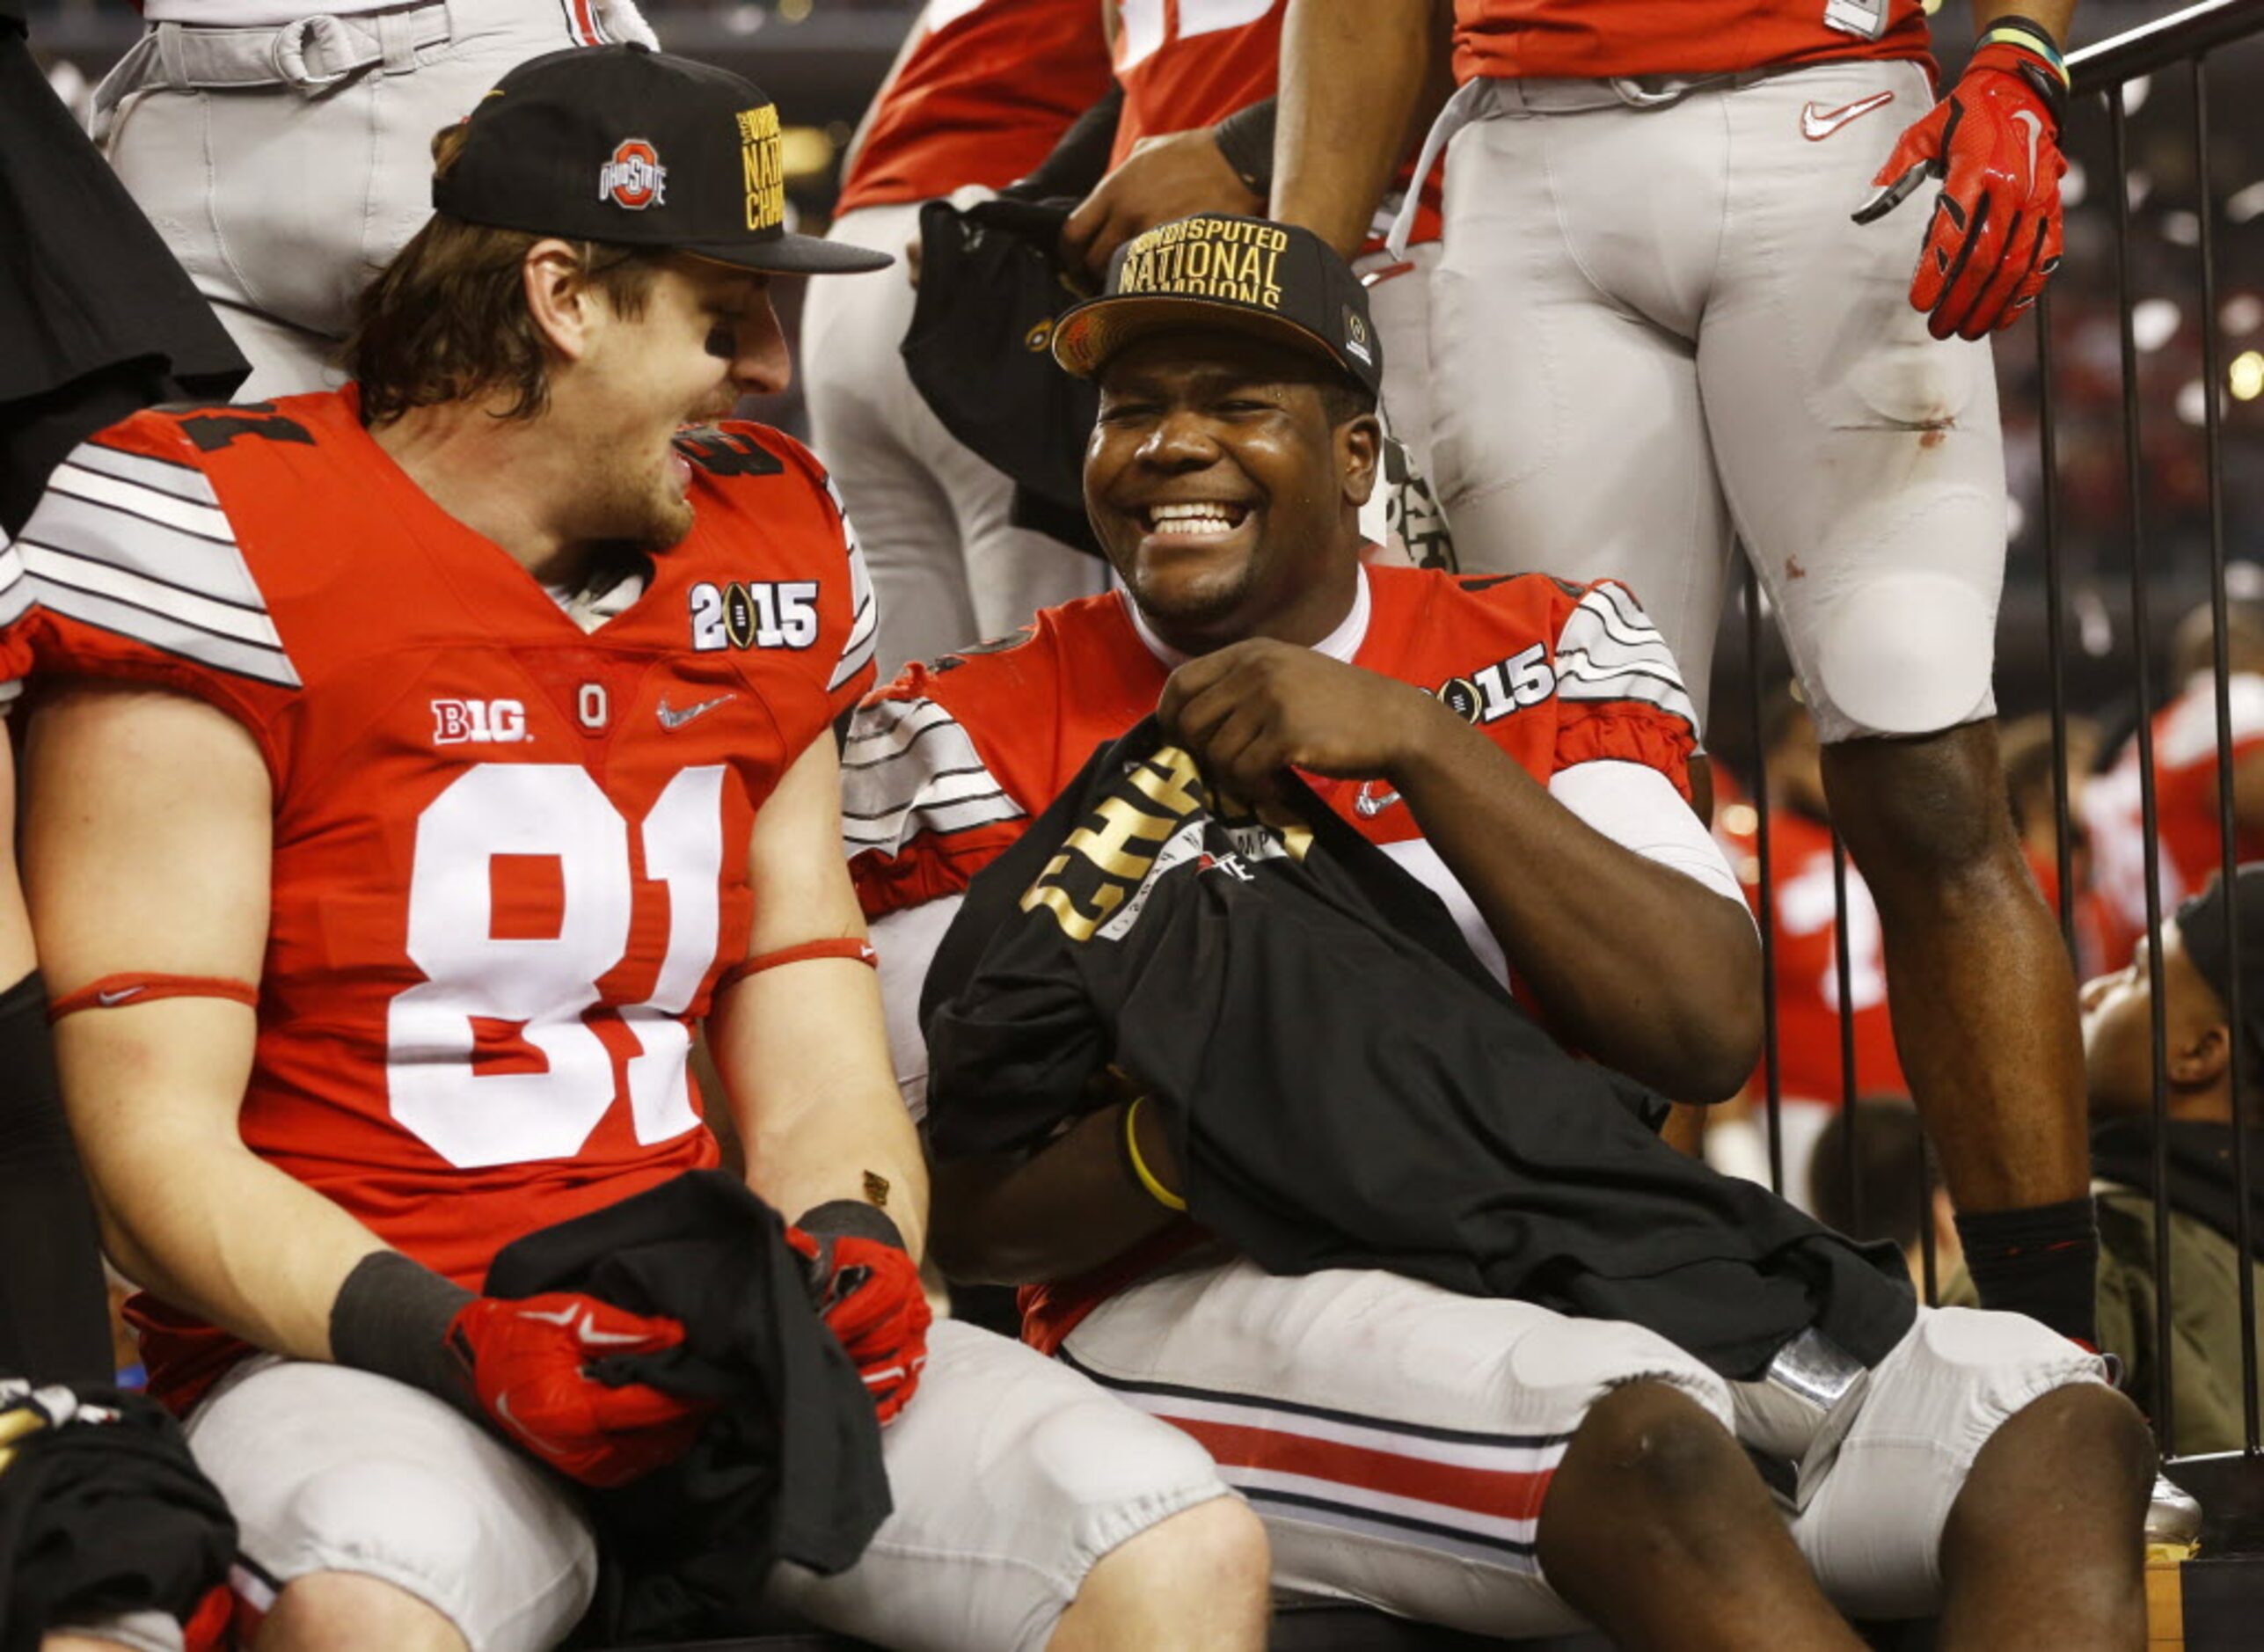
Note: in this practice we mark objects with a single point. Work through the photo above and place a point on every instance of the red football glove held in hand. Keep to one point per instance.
(1995, 238)
(866, 1288)
(535, 1365)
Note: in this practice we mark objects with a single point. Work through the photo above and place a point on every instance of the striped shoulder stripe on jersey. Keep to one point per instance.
(15, 586)
(1610, 650)
(1477, 1496)
(908, 767)
(864, 610)
(141, 547)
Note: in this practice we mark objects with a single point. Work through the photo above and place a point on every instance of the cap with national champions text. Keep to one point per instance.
(636, 147)
(1243, 275)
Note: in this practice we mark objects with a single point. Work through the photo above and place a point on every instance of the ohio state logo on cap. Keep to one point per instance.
(634, 178)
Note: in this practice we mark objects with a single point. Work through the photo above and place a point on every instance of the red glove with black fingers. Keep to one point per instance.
(1995, 142)
(537, 1366)
(866, 1288)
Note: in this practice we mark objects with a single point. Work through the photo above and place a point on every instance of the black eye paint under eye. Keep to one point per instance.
(722, 342)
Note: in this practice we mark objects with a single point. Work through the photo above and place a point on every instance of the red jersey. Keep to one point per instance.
(510, 856)
(987, 89)
(1187, 63)
(1806, 980)
(1603, 40)
(947, 766)
(2185, 805)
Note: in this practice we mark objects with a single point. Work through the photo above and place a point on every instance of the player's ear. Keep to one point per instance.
(1359, 443)
(559, 299)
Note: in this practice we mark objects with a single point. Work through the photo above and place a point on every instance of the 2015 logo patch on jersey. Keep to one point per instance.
(1493, 691)
(753, 614)
(479, 722)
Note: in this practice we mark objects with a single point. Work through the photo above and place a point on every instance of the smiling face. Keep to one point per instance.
(706, 337)
(1225, 493)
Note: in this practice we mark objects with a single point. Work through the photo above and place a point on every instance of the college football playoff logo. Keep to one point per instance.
(634, 178)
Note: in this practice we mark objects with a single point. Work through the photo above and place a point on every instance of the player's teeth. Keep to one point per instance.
(1192, 518)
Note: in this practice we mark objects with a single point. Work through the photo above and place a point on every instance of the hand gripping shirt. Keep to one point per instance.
(510, 856)
(1606, 40)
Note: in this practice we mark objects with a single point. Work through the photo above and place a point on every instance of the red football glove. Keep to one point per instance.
(866, 1288)
(1995, 239)
(535, 1365)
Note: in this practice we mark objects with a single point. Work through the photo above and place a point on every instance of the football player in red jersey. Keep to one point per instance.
(1678, 312)
(1519, 745)
(457, 742)
(980, 93)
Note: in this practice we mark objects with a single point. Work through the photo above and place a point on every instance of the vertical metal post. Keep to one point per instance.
(2056, 616)
(1851, 1159)
(1774, 1100)
(2213, 385)
(2142, 638)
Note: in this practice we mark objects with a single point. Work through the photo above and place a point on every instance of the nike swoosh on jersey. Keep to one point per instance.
(673, 719)
(1367, 805)
(111, 999)
(1817, 124)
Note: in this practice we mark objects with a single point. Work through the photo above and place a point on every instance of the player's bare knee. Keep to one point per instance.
(1656, 1453)
(347, 1611)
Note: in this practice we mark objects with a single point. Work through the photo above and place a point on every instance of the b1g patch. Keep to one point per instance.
(1493, 691)
(753, 614)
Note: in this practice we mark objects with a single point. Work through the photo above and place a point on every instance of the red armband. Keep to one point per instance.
(861, 951)
(115, 992)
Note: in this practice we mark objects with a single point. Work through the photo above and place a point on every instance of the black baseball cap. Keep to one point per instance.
(1243, 275)
(2224, 932)
(634, 147)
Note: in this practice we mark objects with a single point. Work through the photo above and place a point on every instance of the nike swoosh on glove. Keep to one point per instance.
(1995, 238)
(866, 1288)
(538, 1366)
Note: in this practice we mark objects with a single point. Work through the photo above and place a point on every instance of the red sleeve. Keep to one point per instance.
(1619, 693)
(136, 574)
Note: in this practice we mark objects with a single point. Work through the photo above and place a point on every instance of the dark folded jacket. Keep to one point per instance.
(1343, 1082)
(104, 1513)
(787, 1468)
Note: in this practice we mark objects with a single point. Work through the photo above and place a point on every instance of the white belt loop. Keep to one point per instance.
(171, 58)
(1461, 109)
(397, 43)
(122, 83)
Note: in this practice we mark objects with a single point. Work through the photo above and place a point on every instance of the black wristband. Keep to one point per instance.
(392, 1316)
(851, 1219)
(1246, 138)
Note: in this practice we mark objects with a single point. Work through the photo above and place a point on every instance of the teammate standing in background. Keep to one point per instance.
(283, 156)
(457, 742)
(2187, 779)
(981, 92)
(1658, 329)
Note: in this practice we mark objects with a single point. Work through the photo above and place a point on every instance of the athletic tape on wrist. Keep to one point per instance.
(120, 992)
(859, 951)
